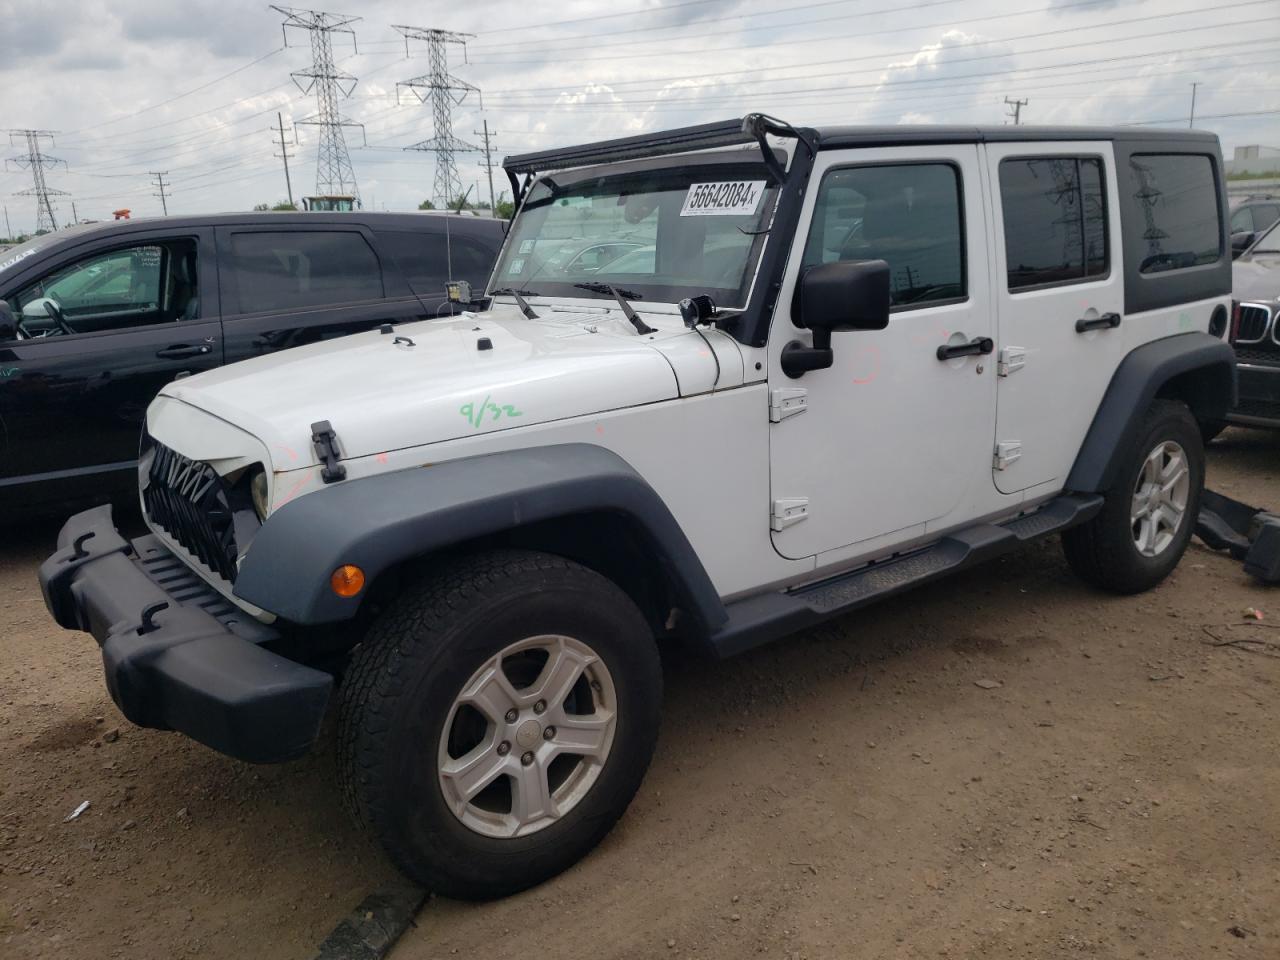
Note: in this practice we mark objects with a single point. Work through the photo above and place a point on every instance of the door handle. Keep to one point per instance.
(178, 351)
(1108, 321)
(976, 346)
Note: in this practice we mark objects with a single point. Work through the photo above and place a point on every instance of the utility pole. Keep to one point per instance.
(75, 217)
(35, 161)
(160, 185)
(1017, 109)
(487, 163)
(445, 92)
(284, 155)
(1192, 121)
(334, 173)
(8, 230)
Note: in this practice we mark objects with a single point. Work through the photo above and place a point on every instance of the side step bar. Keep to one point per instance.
(765, 617)
(1250, 534)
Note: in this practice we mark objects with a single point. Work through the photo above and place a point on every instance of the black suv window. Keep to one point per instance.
(1055, 220)
(424, 259)
(1175, 195)
(281, 271)
(128, 287)
(908, 215)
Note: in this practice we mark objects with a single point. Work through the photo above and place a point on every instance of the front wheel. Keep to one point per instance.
(496, 722)
(1150, 512)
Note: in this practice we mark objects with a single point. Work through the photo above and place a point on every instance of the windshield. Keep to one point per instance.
(659, 235)
(1270, 242)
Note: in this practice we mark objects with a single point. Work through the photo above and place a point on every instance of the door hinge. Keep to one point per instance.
(1011, 359)
(1007, 452)
(788, 511)
(787, 402)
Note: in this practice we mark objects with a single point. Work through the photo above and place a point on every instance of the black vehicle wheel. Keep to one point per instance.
(497, 720)
(1150, 512)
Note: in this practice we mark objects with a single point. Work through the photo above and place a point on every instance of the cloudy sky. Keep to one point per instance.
(193, 88)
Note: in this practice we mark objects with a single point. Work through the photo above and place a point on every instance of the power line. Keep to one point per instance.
(334, 173)
(445, 92)
(35, 161)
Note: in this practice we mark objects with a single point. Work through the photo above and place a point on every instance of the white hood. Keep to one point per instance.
(381, 395)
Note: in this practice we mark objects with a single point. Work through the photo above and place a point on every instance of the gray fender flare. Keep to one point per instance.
(378, 522)
(1142, 376)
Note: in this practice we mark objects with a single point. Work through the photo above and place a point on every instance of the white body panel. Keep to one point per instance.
(889, 420)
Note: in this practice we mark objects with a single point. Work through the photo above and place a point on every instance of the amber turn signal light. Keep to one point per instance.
(347, 580)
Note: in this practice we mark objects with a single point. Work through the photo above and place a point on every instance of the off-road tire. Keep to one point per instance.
(1102, 551)
(412, 664)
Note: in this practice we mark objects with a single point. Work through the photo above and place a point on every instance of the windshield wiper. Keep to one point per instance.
(521, 302)
(621, 297)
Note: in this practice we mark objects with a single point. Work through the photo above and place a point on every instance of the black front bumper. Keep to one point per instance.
(178, 655)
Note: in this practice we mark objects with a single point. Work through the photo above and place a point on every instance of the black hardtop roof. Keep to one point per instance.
(285, 219)
(730, 132)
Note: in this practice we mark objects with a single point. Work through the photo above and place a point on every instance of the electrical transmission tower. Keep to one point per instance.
(334, 173)
(36, 162)
(445, 92)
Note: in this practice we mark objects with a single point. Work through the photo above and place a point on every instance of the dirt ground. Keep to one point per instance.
(852, 792)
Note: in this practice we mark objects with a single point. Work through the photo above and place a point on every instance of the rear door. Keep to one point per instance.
(288, 285)
(1059, 294)
(127, 316)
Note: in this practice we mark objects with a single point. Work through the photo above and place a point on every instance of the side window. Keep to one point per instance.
(1264, 215)
(1055, 220)
(129, 287)
(423, 258)
(908, 215)
(1242, 220)
(282, 271)
(1178, 203)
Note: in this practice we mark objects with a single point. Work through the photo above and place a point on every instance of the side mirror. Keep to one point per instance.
(1240, 242)
(830, 297)
(8, 323)
(39, 309)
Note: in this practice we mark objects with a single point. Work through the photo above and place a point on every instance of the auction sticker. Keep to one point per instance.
(731, 198)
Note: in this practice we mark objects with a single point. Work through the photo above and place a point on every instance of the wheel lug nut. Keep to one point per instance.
(549, 733)
(504, 748)
(540, 707)
(511, 715)
(527, 758)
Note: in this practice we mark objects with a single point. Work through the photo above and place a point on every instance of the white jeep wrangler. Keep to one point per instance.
(735, 379)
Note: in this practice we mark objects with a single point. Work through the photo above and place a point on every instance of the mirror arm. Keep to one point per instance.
(797, 359)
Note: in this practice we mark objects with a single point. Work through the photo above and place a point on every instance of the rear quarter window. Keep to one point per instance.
(427, 259)
(1177, 198)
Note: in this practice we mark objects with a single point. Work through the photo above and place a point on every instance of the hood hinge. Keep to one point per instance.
(787, 402)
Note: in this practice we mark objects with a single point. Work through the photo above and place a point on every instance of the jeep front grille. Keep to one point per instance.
(188, 500)
(1255, 320)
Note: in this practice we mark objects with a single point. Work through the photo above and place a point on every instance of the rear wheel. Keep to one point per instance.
(1150, 512)
(497, 722)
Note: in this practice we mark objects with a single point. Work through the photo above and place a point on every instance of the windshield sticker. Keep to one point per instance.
(526, 247)
(17, 258)
(732, 198)
(517, 265)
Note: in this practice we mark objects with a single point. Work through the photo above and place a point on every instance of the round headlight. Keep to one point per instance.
(258, 491)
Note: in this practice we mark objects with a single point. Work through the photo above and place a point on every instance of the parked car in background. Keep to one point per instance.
(1250, 216)
(1255, 333)
(94, 320)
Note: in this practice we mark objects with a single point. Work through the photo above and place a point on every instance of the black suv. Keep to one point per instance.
(1255, 331)
(1250, 216)
(95, 319)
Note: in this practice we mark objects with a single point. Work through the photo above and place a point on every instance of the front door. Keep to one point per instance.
(895, 441)
(101, 330)
(1060, 299)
